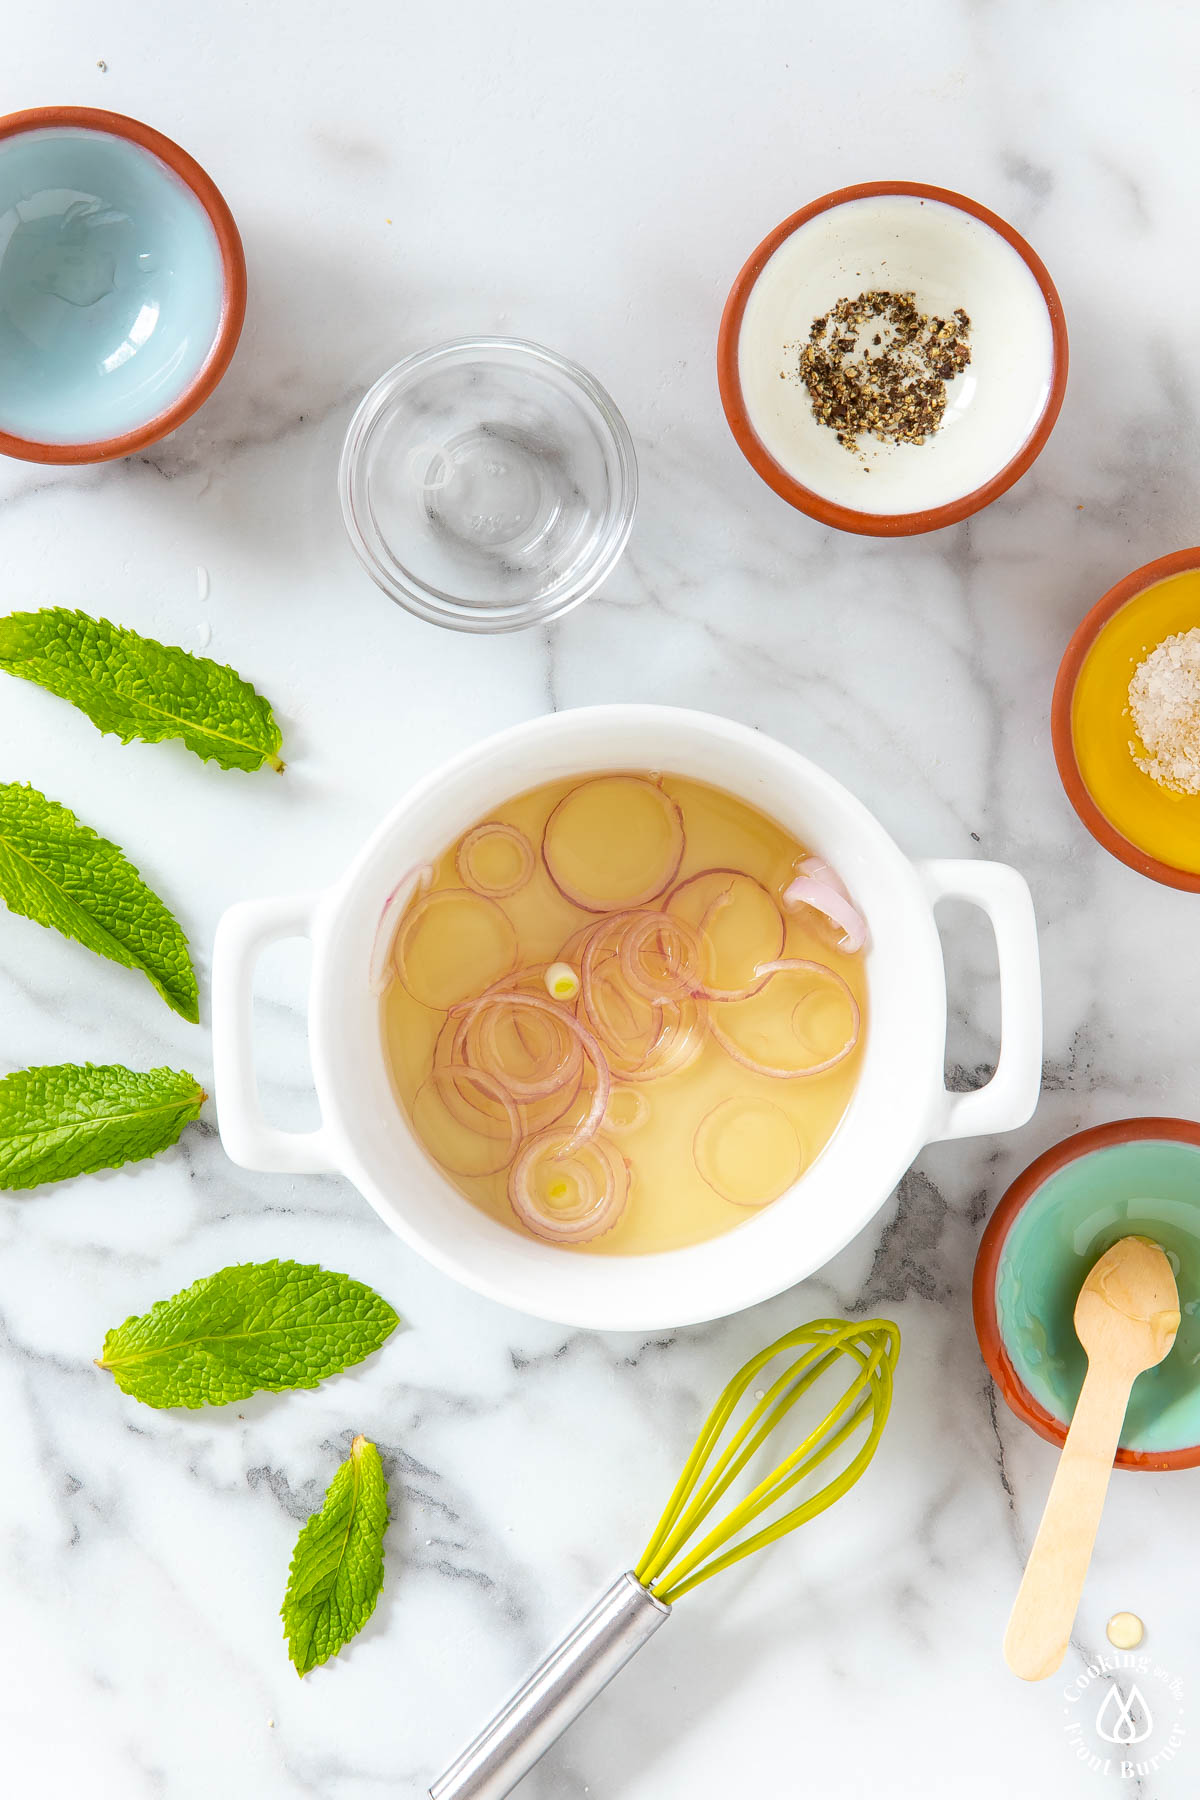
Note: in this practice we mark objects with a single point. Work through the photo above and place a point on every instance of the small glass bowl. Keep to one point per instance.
(488, 484)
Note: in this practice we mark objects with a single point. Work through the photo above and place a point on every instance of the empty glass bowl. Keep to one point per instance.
(488, 484)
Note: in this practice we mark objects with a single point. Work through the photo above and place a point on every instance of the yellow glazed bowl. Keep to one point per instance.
(1146, 825)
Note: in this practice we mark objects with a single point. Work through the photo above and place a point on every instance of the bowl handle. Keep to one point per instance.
(242, 935)
(1010, 1097)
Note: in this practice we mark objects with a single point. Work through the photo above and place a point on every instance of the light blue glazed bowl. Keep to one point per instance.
(1132, 1177)
(122, 285)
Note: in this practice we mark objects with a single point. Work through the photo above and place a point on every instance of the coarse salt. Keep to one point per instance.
(1164, 703)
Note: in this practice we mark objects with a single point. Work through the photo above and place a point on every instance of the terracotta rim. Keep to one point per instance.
(233, 266)
(987, 1265)
(847, 518)
(1085, 635)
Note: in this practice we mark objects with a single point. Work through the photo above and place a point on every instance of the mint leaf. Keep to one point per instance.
(337, 1566)
(61, 874)
(72, 1119)
(138, 688)
(267, 1325)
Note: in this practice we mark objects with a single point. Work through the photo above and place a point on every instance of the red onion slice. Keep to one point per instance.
(466, 856)
(817, 886)
(792, 965)
(565, 1192)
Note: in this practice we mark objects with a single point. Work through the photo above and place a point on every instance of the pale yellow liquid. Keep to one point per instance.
(776, 1128)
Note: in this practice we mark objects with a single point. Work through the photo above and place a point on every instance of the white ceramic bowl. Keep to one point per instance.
(900, 1103)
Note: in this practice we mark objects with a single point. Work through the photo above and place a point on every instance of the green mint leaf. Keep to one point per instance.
(63, 875)
(267, 1325)
(72, 1119)
(138, 688)
(337, 1566)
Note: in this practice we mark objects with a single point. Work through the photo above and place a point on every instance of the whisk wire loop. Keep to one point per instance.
(682, 1577)
(814, 1450)
(681, 1518)
(874, 1347)
(787, 1390)
(710, 1432)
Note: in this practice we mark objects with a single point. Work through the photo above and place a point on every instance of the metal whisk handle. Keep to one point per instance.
(556, 1693)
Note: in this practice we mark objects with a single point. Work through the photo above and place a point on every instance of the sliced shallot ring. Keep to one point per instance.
(591, 900)
(586, 1224)
(383, 968)
(498, 924)
(529, 980)
(480, 1049)
(674, 1028)
(631, 949)
(455, 1073)
(776, 1141)
(465, 1109)
(708, 991)
(572, 951)
(627, 1100)
(790, 964)
(588, 1126)
(463, 857)
(817, 886)
(680, 1039)
(604, 1000)
(596, 947)
(536, 1114)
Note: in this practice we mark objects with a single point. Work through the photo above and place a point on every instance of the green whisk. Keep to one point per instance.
(638, 1602)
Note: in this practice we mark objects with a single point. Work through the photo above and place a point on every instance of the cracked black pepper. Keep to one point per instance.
(878, 367)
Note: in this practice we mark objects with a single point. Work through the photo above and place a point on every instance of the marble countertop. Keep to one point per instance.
(592, 179)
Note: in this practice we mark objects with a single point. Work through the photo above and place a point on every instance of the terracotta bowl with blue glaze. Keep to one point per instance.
(122, 285)
(1131, 1177)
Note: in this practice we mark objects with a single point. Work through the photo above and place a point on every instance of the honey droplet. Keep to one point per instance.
(1125, 1630)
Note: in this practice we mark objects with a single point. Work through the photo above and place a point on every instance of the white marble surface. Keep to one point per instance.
(592, 178)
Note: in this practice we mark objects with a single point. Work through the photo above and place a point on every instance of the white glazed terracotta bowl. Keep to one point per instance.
(906, 237)
(899, 1105)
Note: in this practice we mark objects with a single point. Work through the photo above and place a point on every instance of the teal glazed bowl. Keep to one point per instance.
(122, 285)
(1134, 1177)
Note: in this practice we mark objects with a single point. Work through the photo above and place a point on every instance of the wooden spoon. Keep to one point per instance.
(1126, 1318)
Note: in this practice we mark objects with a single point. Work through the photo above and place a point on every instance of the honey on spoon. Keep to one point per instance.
(1126, 1318)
